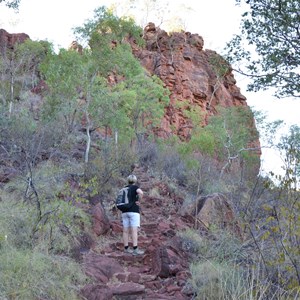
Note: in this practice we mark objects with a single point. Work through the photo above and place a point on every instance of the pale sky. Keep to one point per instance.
(215, 20)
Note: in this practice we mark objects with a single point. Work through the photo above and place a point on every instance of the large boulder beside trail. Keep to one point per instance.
(216, 211)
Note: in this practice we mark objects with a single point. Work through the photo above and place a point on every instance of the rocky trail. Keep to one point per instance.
(162, 272)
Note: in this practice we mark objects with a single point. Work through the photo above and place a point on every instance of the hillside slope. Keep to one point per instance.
(163, 271)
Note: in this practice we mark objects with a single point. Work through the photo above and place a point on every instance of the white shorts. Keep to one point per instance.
(131, 219)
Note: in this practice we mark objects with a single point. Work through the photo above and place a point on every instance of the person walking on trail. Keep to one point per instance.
(131, 216)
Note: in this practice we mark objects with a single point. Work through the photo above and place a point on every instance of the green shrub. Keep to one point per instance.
(191, 241)
(27, 274)
(212, 281)
(219, 245)
(222, 281)
(47, 222)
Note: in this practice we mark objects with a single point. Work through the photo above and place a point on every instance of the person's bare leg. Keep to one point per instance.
(134, 232)
(125, 236)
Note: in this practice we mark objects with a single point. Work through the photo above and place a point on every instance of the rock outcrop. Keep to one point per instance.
(8, 40)
(214, 210)
(196, 77)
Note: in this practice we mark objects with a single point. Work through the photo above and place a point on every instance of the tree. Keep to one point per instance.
(135, 100)
(11, 4)
(170, 15)
(19, 70)
(276, 227)
(272, 27)
(106, 30)
(289, 148)
(150, 99)
(63, 76)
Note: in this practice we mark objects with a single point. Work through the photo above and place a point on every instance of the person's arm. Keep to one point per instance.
(140, 194)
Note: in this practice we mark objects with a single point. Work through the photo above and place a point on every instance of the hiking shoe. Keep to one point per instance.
(138, 252)
(128, 250)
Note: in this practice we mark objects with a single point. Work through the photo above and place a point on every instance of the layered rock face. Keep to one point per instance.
(196, 77)
(8, 40)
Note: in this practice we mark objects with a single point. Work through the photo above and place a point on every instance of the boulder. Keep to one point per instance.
(214, 210)
(100, 220)
(101, 267)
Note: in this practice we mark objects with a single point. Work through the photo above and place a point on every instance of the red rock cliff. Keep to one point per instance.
(200, 78)
(8, 40)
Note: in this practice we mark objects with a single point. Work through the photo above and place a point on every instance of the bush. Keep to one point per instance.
(212, 280)
(53, 228)
(222, 281)
(218, 245)
(27, 274)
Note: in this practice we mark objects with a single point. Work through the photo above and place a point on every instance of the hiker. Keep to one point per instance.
(131, 217)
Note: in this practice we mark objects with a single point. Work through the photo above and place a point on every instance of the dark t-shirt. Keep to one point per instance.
(133, 197)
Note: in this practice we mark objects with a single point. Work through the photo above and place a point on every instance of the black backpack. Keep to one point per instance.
(123, 202)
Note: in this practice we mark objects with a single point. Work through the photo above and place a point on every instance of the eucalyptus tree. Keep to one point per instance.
(63, 76)
(19, 70)
(289, 148)
(11, 3)
(135, 97)
(271, 27)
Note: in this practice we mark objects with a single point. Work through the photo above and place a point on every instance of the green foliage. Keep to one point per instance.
(232, 130)
(108, 27)
(27, 274)
(53, 227)
(220, 246)
(289, 146)
(222, 268)
(215, 271)
(220, 66)
(227, 134)
(221, 154)
(150, 99)
(63, 74)
(130, 106)
(41, 217)
(192, 112)
(282, 226)
(271, 215)
(19, 69)
(30, 265)
(213, 281)
(272, 28)
(11, 3)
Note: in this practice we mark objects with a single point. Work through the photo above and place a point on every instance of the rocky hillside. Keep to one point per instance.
(163, 271)
(197, 78)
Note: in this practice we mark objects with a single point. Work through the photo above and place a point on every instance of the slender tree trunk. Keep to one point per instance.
(88, 144)
(11, 94)
(116, 144)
